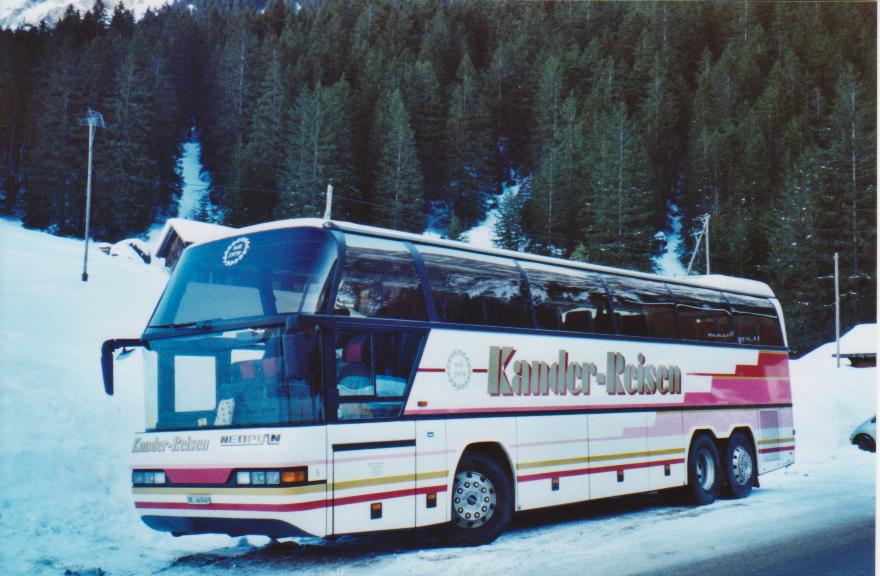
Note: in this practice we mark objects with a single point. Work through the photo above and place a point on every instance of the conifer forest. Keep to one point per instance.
(421, 112)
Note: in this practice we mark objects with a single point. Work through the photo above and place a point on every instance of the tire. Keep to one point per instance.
(481, 502)
(704, 471)
(866, 443)
(740, 466)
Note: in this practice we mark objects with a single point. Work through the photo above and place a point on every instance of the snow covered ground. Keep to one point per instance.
(66, 503)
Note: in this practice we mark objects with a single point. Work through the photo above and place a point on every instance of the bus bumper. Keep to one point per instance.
(186, 525)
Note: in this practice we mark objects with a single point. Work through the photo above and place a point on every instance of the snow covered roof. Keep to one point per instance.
(862, 339)
(190, 232)
(719, 282)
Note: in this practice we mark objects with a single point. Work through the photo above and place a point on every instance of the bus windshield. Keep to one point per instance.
(249, 276)
(228, 379)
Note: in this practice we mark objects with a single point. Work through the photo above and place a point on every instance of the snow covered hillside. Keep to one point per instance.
(15, 13)
(66, 503)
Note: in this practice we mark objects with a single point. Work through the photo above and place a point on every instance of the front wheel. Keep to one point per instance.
(704, 471)
(481, 500)
(739, 466)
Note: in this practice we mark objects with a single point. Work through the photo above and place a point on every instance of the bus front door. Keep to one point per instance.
(373, 453)
(373, 476)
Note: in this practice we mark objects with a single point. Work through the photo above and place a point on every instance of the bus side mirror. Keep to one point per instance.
(297, 348)
(107, 349)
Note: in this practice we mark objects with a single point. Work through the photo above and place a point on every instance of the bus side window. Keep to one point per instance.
(642, 307)
(379, 280)
(755, 319)
(473, 288)
(567, 299)
(703, 314)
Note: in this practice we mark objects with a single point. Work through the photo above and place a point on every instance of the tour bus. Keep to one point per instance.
(314, 377)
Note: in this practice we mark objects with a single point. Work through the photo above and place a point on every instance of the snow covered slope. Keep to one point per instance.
(15, 13)
(66, 501)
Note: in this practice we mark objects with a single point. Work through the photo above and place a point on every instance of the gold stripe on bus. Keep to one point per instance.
(388, 480)
(775, 440)
(598, 458)
(251, 490)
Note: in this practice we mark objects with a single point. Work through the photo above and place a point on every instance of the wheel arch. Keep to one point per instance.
(494, 450)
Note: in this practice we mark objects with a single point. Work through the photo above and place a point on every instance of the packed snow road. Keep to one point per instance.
(634, 535)
(66, 504)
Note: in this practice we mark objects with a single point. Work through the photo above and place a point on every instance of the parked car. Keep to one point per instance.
(865, 436)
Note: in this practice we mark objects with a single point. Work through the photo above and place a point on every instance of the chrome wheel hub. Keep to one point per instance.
(742, 465)
(705, 470)
(473, 499)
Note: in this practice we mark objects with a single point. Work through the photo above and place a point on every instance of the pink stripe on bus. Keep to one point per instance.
(596, 470)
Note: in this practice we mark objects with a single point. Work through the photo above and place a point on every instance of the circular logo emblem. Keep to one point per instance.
(235, 251)
(458, 370)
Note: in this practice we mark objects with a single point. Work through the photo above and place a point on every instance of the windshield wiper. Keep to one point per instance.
(199, 324)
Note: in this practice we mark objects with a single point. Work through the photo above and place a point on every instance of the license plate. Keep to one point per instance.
(198, 499)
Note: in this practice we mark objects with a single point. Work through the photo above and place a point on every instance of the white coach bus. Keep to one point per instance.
(317, 377)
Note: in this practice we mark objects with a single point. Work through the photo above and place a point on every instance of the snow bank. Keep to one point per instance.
(66, 502)
(829, 402)
(862, 339)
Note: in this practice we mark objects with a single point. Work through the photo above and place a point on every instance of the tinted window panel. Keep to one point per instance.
(756, 320)
(703, 314)
(567, 299)
(259, 274)
(372, 372)
(379, 280)
(476, 289)
(642, 307)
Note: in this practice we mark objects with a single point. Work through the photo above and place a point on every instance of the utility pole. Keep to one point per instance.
(837, 307)
(704, 232)
(329, 204)
(93, 119)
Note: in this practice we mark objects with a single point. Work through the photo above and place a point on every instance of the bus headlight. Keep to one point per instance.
(147, 477)
(272, 477)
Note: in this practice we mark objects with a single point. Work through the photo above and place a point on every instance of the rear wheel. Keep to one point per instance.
(704, 471)
(481, 500)
(739, 466)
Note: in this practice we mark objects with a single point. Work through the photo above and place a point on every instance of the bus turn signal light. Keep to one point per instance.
(294, 476)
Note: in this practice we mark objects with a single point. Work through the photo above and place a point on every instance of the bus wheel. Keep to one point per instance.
(482, 502)
(704, 471)
(739, 466)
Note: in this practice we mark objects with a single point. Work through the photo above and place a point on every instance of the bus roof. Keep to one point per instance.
(716, 281)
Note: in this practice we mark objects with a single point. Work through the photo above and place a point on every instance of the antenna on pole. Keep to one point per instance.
(92, 119)
(329, 201)
(703, 232)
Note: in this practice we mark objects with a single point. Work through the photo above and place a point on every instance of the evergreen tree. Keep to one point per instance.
(469, 147)
(559, 181)
(263, 154)
(54, 184)
(425, 103)
(510, 229)
(318, 153)
(852, 159)
(617, 214)
(398, 177)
